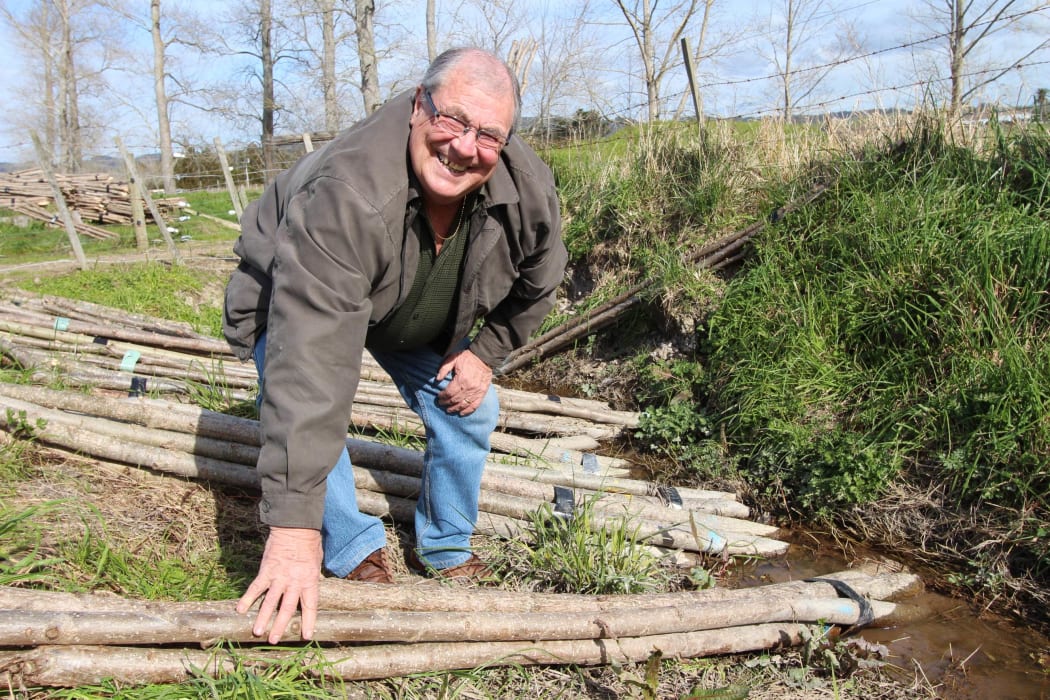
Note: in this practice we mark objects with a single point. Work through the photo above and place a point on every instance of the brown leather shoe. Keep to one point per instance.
(374, 569)
(473, 570)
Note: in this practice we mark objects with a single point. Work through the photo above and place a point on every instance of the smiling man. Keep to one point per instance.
(431, 236)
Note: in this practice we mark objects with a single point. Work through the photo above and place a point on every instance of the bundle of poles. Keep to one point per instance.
(370, 631)
(98, 198)
(93, 346)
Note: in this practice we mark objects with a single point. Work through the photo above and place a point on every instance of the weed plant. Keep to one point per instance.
(577, 555)
(901, 323)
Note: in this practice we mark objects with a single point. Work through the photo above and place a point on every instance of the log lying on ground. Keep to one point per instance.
(83, 323)
(79, 368)
(71, 666)
(400, 629)
(205, 426)
(96, 197)
(431, 596)
(224, 461)
(37, 628)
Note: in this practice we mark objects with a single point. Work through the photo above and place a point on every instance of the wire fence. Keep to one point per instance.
(247, 169)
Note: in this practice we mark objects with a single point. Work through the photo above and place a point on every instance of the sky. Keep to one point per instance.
(737, 84)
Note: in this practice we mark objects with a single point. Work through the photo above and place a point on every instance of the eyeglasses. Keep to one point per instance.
(454, 126)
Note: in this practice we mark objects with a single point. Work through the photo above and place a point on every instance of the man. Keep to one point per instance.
(421, 225)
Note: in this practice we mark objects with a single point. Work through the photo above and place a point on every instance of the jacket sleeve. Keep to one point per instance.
(532, 296)
(247, 296)
(318, 319)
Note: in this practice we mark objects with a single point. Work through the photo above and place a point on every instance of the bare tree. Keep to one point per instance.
(36, 30)
(968, 27)
(431, 30)
(364, 19)
(567, 60)
(328, 61)
(167, 161)
(493, 24)
(69, 97)
(268, 102)
(804, 47)
(651, 29)
(70, 48)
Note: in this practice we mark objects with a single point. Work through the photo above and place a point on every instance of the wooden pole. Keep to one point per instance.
(135, 199)
(690, 72)
(129, 162)
(228, 176)
(188, 626)
(44, 158)
(71, 666)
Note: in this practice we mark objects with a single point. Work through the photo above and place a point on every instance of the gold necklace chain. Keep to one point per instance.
(460, 216)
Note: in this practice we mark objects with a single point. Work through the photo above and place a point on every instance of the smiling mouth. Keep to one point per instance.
(450, 165)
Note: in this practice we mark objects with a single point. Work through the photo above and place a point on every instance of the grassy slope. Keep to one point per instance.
(896, 334)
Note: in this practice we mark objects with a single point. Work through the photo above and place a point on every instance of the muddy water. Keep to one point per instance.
(966, 653)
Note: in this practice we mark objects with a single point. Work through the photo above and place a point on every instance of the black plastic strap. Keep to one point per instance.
(866, 615)
(670, 496)
(138, 386)
(99, 340)
(564, 502)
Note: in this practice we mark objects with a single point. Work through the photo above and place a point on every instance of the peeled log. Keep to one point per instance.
(71, 666)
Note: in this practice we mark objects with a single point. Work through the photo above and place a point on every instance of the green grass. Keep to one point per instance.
(577, 555)
(163, 291)
(21, 558)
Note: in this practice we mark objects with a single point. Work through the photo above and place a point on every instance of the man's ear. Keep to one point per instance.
(417, 102)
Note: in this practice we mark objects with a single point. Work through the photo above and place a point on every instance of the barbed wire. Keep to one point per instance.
(631, 108)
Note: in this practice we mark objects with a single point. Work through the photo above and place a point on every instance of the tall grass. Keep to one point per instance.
(902, 322)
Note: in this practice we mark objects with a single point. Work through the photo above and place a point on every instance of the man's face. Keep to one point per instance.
(449, 166)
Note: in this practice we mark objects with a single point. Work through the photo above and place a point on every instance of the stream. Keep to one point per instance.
(967, 653)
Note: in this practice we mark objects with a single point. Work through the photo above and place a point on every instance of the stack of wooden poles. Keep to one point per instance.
(97, 198)
(549, 467)
(369, 631)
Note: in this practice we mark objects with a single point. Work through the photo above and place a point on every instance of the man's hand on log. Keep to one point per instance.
(289, 575)
(471, 378)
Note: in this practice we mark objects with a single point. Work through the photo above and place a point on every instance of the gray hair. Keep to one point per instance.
(485, 67)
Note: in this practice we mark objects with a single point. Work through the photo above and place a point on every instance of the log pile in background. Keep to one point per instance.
(369, 631)
(95, 198)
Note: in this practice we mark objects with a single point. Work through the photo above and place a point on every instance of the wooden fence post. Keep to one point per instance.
(129, 162)
(690, 71)
(138, 214)
(234, 196)
(44, 159)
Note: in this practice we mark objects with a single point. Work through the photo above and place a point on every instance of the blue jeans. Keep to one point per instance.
(453, 460)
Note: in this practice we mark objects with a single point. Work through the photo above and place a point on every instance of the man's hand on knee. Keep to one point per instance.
(471, 379)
